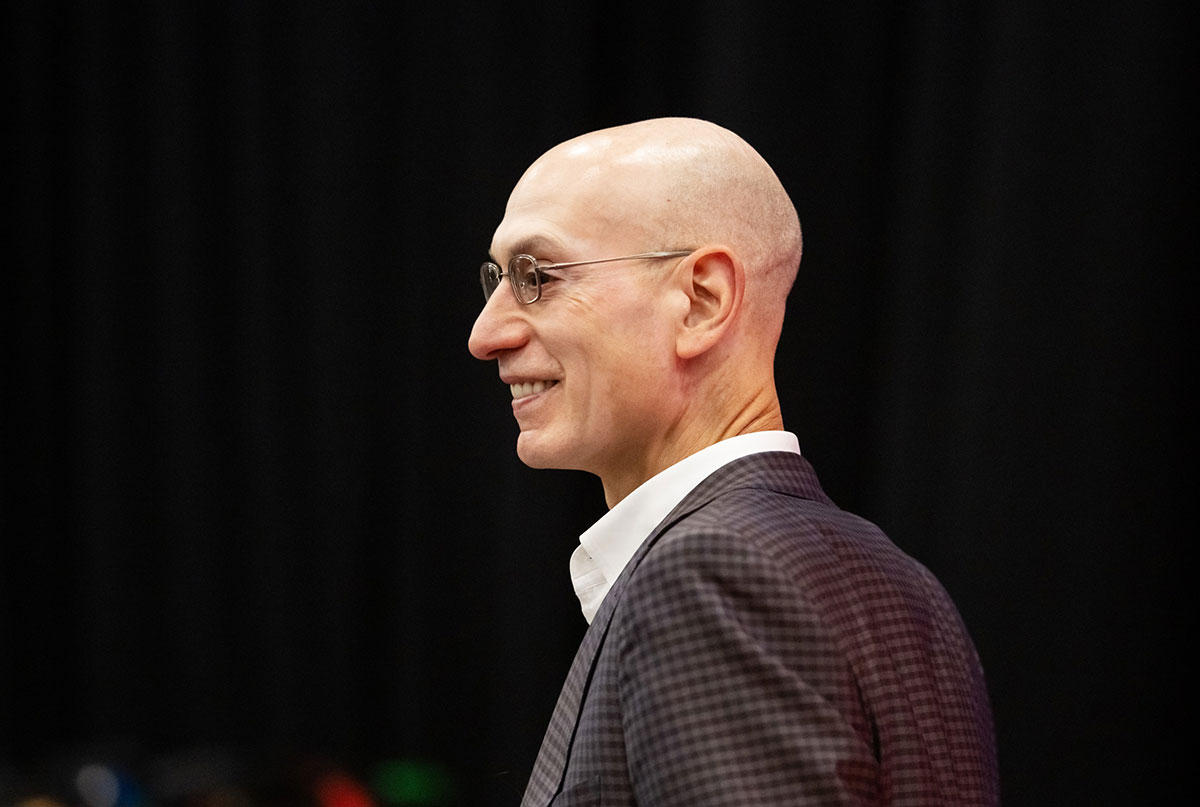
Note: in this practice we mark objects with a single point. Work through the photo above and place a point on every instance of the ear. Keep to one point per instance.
(714, 281)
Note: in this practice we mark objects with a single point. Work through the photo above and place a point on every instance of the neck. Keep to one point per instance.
(691, 433)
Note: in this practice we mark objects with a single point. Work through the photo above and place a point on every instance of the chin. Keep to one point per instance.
(538, 452)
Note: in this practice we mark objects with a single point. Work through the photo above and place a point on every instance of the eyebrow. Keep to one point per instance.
(535, 245)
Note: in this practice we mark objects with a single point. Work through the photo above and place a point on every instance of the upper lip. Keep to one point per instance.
(513, 378)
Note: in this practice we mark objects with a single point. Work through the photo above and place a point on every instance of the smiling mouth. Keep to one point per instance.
(528, 388)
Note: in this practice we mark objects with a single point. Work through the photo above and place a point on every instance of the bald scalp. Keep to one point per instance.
(685, 182)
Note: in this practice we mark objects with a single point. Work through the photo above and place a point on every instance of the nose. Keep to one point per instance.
(500, 326)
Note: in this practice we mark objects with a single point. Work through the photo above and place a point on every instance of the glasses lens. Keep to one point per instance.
(489, 278)
(523, 274)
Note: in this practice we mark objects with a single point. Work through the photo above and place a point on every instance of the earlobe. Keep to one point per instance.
(714, 282)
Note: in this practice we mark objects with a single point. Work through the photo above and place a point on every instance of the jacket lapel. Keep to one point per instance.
(780, 471)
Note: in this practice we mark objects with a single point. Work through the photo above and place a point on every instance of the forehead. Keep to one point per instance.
(546, 231)
(559, 214)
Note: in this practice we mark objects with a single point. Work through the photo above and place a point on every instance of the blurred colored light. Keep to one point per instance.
(408, 783)
(98, 785)
(102, 786)
(339, 790)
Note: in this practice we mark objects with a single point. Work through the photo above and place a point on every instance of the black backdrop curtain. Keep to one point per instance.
(261, 504)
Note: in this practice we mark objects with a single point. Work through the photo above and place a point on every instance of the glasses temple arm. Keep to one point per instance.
(677, 253)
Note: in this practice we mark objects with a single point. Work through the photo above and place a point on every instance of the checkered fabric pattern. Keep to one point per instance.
(764, 647)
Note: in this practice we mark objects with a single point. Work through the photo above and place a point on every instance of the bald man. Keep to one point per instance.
(749, 642)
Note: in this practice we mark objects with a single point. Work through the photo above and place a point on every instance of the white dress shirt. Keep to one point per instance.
(608, 544)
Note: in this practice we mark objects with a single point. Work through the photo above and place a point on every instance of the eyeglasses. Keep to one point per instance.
(525, 273)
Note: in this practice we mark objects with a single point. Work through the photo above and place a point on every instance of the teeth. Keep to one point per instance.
(530, 388)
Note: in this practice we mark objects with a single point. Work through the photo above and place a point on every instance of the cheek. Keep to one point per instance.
(648, 346)
(633, 375)
(623, 352)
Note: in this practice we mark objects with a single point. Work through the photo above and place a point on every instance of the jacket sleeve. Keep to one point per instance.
(732, 690)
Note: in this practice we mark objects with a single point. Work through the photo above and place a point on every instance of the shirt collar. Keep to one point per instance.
(607, 545)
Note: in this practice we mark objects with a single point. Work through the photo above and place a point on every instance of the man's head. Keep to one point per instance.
(625, 367)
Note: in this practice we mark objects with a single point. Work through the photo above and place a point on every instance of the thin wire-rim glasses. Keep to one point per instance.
(525, 272)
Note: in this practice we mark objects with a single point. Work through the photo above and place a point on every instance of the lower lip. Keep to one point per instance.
(529, 400)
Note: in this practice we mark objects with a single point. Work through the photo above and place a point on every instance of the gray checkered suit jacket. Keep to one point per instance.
(763, 647)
